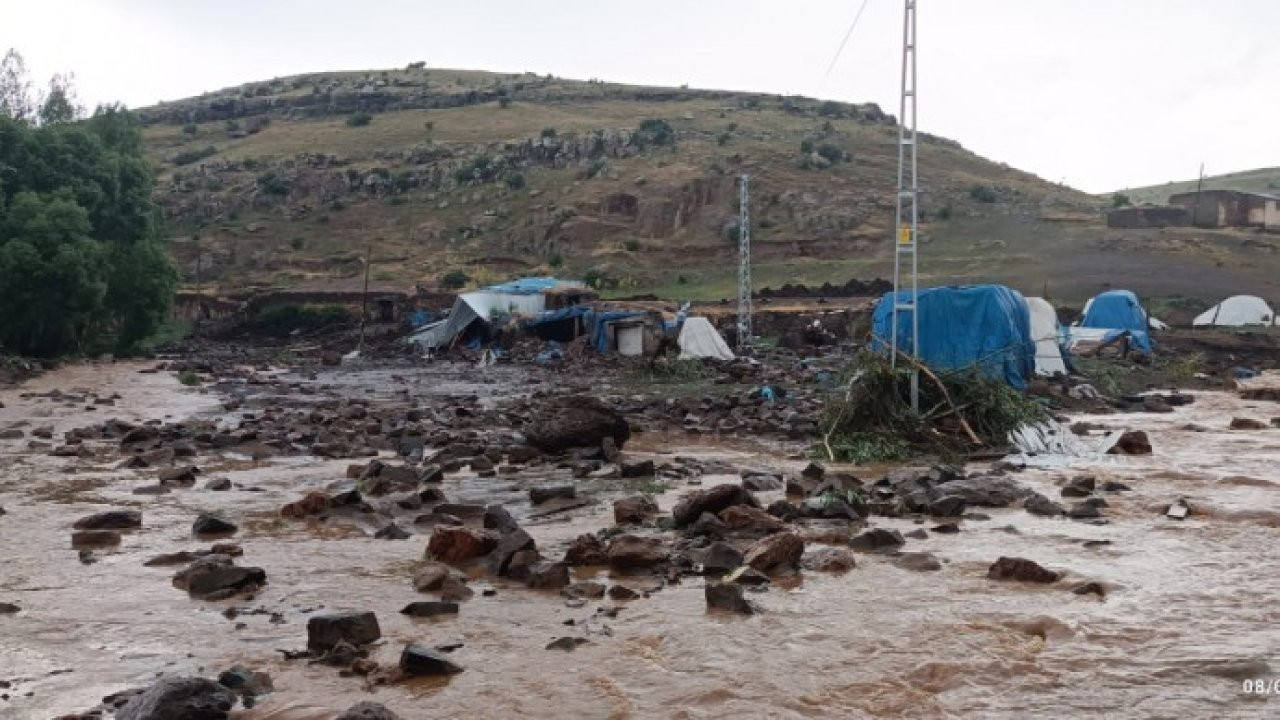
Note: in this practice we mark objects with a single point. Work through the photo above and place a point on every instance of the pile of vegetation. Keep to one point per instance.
(871, 420)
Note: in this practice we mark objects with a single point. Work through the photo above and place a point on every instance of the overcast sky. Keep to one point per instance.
(1101, 94)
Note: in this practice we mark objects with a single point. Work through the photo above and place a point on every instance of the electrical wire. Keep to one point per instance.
(848, 34)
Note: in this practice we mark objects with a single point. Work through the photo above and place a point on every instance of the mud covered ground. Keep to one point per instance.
(1142, 615)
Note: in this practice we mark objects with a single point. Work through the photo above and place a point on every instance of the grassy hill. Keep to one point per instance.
(1260, 180)
(287, 181)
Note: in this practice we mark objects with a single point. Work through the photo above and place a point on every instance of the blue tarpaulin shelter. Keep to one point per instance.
(987, 327)
(1119, 311)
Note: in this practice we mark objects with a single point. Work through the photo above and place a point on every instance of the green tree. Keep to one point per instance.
(82, 261)
(59, 104)
(1119, 200)
(15, 88)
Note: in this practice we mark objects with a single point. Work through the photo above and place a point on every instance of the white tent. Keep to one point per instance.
(1236, 311)
(699, 339)
(480, 305)
(1044, 330)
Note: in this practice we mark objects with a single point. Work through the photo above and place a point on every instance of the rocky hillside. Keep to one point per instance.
(288, 181)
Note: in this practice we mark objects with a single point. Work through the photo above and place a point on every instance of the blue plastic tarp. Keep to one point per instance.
(527, 286)
(985, 327)
(1119, 310)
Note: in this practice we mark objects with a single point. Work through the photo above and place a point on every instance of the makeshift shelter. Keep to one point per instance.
(1115, 312)
(700, 339)
(984, 327)
(1237, 311)
(472, 312)
(1047, 335)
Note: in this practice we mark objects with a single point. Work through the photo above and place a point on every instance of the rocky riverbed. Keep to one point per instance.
(510, 541)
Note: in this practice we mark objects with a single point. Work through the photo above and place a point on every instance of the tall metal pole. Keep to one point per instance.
(906, 224)
(744, 263)
(364, 296)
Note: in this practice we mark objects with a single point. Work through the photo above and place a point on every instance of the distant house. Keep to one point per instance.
(1230, 208)
(1149, 216)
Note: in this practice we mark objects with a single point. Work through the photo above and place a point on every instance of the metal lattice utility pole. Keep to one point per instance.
(905, 259)
(744, 264)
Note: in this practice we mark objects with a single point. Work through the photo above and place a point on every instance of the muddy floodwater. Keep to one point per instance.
(1191, 610)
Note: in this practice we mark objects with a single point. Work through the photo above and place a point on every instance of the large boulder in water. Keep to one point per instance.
(180, 699)
(575, 422)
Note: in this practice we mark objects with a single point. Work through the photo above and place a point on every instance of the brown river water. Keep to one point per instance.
(1191, 610)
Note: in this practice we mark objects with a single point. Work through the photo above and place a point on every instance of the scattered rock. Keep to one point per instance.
(634, 510)
(366, 710)
(540, 495)
(1132, 442)
(218, 484)
(110, 520)
(547, 576)
(917, 562)
(575, 422)
(720, 558)
(622, 592)
(762, 482)
(727, 596)
(877, 540)
(94, 538)
(1079, 486)
(568, 644)
(497, 517)
(453, 544)
(430, 609)
(392, 531)
(947, 506)
(746, 521)
(1020, 569)
(775, 553)
(640, 469)
(183, 698)
(215, 576)
(8, 608)
(1038, 504)
(1090, 588)
(499, 561)
(713, 500)
(1247, 424)
(986, 490)
(628, 552)
(327, 630)
(212, 525)
(586, 550)
(830, 559)
(417, 660)
(586, 589)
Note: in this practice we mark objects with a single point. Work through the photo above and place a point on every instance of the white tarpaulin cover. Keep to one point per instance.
(699, 339)
(1044, 330)
(1235, 311)
(480, 305)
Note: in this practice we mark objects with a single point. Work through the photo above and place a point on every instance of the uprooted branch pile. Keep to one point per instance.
(872, 419)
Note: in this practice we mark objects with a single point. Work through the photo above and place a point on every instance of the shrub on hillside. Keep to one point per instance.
(359, 119)
(832, 153)
(656, 131)
(983, 193)
(454, 280)
(187, 157)
(1119, 200)
(272, 184)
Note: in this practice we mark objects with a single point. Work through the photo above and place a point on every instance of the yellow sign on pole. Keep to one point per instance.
(904, 235)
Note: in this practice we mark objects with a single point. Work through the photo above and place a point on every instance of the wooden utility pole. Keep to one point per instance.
(364, 296)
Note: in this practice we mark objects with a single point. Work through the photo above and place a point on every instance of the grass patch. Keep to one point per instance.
(667, 372)
(190, 378)
(167, 334)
